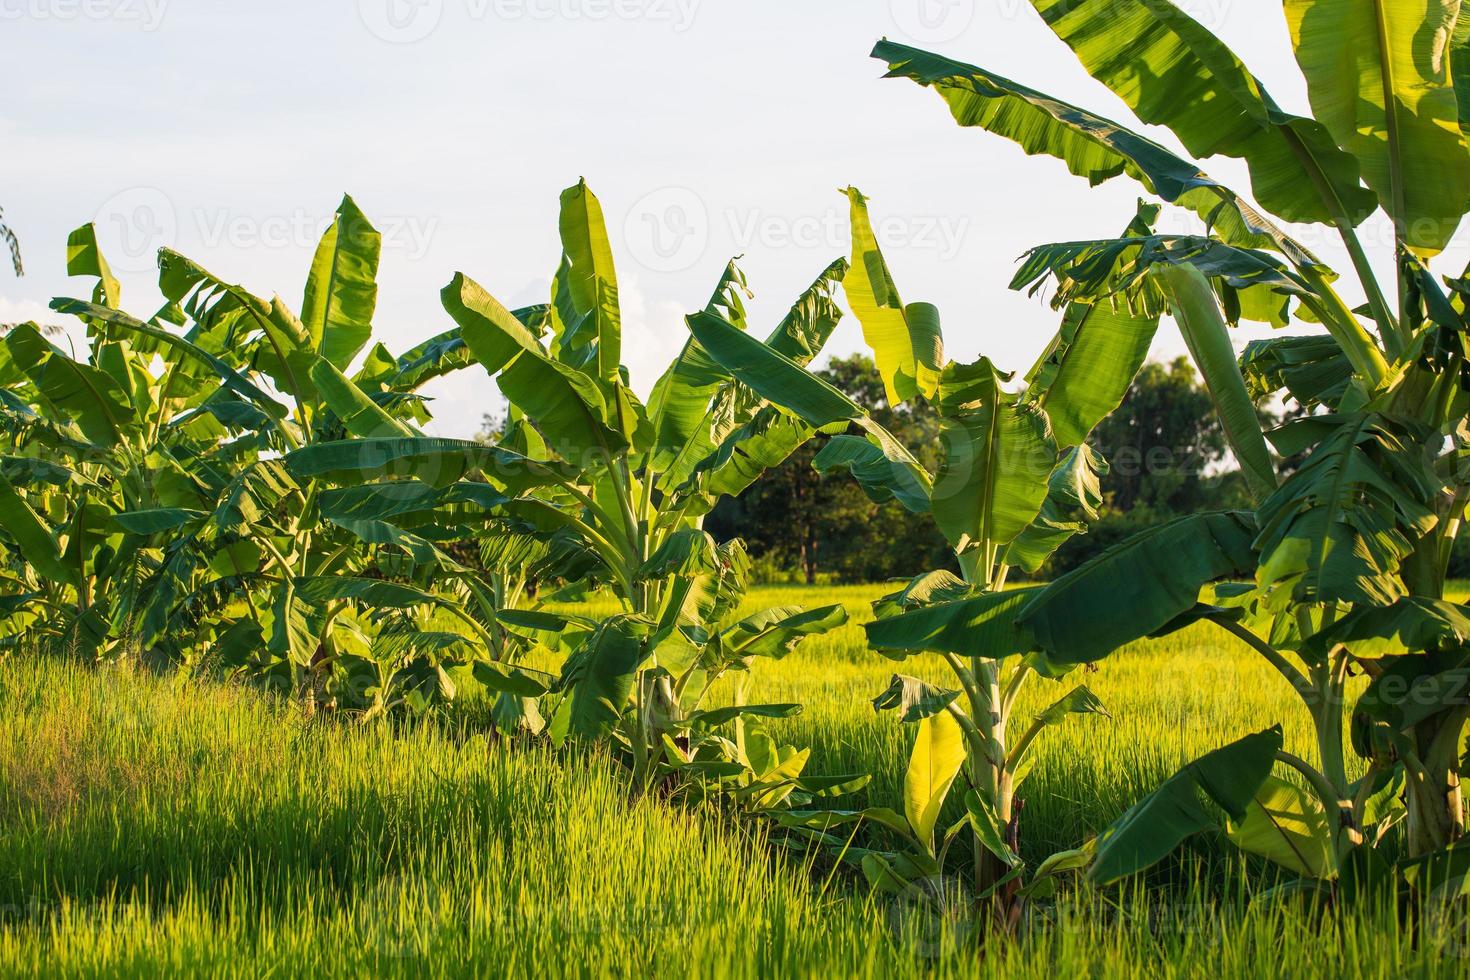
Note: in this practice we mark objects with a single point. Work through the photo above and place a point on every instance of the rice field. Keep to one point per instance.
(184, 826)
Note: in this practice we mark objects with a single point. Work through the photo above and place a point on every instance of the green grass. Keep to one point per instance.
(167, 826)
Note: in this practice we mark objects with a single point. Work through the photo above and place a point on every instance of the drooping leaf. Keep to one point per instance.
(601, 676)
(1413, 624)
(776, 632)
(1230, 777)
(1091, 146)
(914, 699)
(881, 477)
(37, 544)
(981, 626)
(84, 393)
(1286, 824)
(229, 377)
(1173, 72)
(1136, 587)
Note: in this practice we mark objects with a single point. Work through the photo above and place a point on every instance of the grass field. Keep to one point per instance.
(168, 825)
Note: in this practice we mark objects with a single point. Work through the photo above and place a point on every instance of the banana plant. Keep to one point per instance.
(298, 569)
(1015, 481)
(1346, 555)
(630, 484)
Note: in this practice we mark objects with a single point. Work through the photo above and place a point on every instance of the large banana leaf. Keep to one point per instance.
(1378, 76)
(342, 288)
(1137, 587)
(906, 341)
(1340, 527)
(980, 626)
(882, 477)
(1091, 146)
(1231, 777)
(571, 410)
(1073, 496)
(439, 462)
(1413, 624)
(1173, 72)
(1288, 825)
(229, 378)
(992, 482)
(1087, 370)
(38, 546)
(81, 392)
(938, 755)
(362, 416)
(680, 401)
(601, 676)
(772, 375)
(84, 258)
(765, 442)
(595, 342)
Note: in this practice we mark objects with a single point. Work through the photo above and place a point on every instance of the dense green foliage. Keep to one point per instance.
(233, 488)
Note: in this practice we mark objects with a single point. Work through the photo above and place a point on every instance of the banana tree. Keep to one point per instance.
(630, 484)
(1347, 554)
(265, 562)
(1015, 481)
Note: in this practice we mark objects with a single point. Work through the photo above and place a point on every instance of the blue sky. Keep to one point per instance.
(230, 130)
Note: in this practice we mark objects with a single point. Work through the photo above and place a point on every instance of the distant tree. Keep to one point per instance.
(1167, 455)
(799, 520)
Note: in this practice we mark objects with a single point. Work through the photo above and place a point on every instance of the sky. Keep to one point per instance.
(708, 128)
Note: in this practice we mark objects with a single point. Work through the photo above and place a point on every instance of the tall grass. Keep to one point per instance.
(167, 826)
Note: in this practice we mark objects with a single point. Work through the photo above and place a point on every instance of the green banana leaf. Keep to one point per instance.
(1378, 77)
(1138, 586)
(1173, 72)
(342, 287)
(1230, 777)
(906, 341)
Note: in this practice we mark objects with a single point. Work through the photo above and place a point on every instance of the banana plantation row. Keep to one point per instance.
(232, 482)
